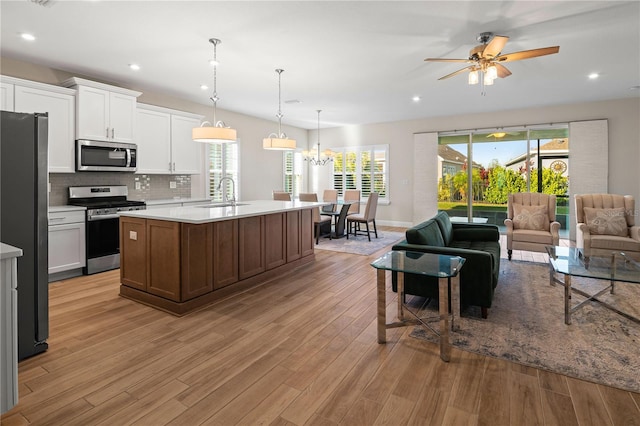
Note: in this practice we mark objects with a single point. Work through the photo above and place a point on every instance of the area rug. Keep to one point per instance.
(526, 325)
(361, 244)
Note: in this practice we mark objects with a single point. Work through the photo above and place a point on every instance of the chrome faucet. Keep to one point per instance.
(233, 189)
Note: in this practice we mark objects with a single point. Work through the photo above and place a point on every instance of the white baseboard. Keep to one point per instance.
(394, 223)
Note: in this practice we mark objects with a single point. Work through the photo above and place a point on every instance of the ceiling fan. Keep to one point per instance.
(488, 58)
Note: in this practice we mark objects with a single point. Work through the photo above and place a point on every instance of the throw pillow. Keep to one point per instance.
(535, 218)
(606, 221)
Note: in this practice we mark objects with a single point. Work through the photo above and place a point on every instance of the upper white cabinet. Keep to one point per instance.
(104, 112)
(6, 96)
(164, 141)
(185, 153)
(28, 96)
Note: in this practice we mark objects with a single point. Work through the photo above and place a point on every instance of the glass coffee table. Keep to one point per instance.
(569, 262)
(445, 268)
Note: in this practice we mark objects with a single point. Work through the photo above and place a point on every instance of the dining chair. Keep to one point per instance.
(354, 221)
(352, 196)
(281, 196)
(318, 222)
(330, 196)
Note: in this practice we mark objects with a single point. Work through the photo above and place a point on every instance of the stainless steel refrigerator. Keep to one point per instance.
(23, 214)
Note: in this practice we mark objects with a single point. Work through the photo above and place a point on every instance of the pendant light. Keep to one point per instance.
(311, 157)
(279, 141)
(218, 132)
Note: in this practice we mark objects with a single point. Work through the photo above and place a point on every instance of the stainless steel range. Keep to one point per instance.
(103, 225)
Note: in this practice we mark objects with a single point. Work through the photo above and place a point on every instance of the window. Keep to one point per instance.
(292, 173)
(223, 161)
(362, 167)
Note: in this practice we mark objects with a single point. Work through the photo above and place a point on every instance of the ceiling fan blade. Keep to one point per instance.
(495, 46)
(446, 60)
(457, 72)
(526, 54)
(502, 70)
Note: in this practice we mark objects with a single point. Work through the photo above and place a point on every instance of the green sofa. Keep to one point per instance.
(479, 244)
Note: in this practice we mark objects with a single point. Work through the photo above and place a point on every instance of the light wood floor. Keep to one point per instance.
(300, 350)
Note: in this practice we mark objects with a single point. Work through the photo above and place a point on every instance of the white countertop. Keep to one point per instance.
(176, 200)
(204, 214)
(7, 251)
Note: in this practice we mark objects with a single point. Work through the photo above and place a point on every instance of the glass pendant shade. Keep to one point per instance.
(473, 77)
(492, 72)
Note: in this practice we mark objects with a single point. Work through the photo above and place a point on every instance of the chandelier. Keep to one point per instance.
(218, 132)
(313, 157)
(279, 141)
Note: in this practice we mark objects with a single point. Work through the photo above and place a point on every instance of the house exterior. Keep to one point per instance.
(553, 154)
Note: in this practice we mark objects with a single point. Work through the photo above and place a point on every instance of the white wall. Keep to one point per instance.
(624, 144)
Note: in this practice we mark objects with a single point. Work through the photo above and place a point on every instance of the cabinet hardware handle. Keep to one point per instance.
(113, 133)
(57, 218)
(107, 135)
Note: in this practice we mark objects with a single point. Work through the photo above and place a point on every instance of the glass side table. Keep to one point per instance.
(445, 268)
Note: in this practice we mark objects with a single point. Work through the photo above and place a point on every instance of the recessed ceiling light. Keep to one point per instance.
(593, 76)
(28, 37)
(134, 67)
(416, 99)
(203, 87)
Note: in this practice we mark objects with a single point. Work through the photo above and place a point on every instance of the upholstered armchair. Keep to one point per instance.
(531, 222)
(606, 223)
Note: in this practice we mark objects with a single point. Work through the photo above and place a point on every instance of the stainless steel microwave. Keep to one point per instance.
(98, 156)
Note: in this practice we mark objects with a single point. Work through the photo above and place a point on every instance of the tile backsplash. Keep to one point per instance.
(152, 187)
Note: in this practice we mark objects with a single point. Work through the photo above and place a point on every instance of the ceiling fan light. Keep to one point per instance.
(488, 81)
(492, 72)
(473, 77)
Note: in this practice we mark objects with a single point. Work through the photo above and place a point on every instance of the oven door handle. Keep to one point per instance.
(102, 217)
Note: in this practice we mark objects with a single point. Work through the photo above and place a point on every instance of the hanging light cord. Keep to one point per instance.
(214, 97)
(280, 115)
(319, 111)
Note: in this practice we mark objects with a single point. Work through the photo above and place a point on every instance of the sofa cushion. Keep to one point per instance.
(446, 228)
(606, 221)
(535, 218)
(426, 233)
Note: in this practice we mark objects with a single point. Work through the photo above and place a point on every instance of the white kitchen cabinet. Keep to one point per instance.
(8, 326)
(164, 141)
(67, 244)
(185, 153)
(6, 96)
(104, 112)
(153, 137)
(59, 102)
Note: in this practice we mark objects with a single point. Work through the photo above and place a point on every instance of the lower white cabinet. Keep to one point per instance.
(8, 326)
(67, 244)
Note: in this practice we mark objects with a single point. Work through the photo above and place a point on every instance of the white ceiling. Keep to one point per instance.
(358, 61)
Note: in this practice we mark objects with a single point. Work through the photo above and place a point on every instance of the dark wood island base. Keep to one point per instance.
(180, 267)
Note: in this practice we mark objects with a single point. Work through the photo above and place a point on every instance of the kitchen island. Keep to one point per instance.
(180, 259)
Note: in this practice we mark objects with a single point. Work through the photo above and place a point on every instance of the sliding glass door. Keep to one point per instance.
(479, 169)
